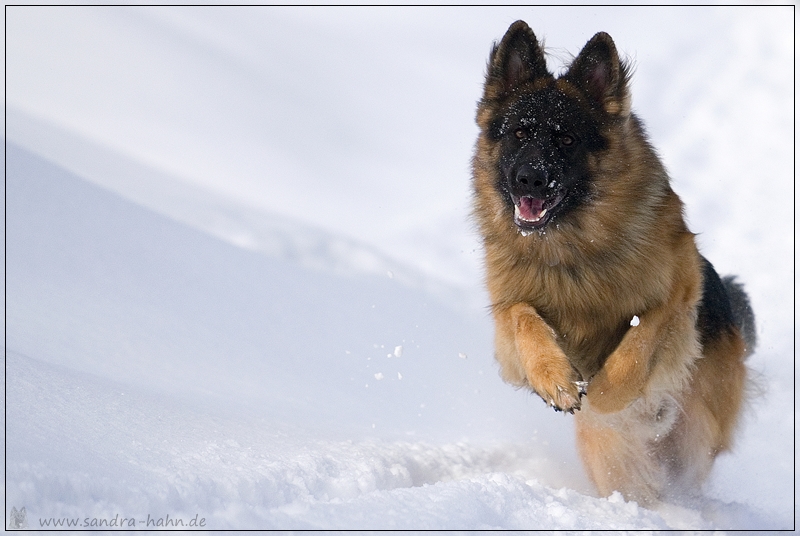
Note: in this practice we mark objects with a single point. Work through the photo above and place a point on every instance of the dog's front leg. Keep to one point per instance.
(528, 352)
(623, 377)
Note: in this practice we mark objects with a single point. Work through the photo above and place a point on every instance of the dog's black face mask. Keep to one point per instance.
(545, 140)
(548, 127)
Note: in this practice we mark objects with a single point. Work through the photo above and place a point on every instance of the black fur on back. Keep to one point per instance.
(724, 306)
(742, 312)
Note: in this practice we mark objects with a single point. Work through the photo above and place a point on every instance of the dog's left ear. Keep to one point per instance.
(601, 76)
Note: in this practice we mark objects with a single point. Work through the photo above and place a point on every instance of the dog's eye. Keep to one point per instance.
(567, 140)
(520, 134)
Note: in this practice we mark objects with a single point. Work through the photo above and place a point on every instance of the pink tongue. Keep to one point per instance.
(530, 208)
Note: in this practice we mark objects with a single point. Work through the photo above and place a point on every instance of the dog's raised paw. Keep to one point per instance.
(567, 400)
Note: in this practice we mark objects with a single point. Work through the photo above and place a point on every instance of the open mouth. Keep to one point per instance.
(533, 212)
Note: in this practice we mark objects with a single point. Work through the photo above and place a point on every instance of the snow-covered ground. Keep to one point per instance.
(242, 286)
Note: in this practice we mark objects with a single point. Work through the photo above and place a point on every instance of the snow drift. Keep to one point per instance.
(165, 372)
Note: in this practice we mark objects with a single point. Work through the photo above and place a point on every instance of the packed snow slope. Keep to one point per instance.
(242, 287)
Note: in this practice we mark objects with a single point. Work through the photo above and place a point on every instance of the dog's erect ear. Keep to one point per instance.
(516, 60)
(601, 76)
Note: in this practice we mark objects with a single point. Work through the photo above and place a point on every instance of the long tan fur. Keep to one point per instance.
(659, 406)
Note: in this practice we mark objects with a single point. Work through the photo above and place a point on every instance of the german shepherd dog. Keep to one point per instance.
(596, 284)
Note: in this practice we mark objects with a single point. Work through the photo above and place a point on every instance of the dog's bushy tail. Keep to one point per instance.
(742, 311)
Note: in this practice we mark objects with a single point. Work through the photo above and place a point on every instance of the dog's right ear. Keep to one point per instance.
(516, 60)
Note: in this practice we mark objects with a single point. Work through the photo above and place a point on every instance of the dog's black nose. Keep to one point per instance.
(532, 180)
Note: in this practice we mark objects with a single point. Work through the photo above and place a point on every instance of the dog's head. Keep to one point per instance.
(543, 131)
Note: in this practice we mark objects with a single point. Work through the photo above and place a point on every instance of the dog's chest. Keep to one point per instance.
(589, 311)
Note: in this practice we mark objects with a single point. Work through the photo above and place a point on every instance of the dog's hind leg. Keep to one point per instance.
(618, 456)
(711, 408)
(712, 403)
